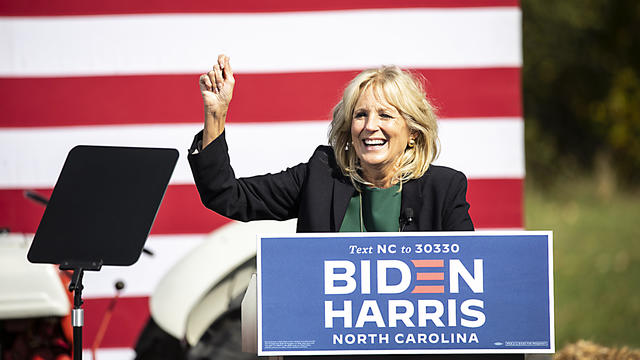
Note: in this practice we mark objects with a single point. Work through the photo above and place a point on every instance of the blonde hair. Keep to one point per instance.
(404, 91)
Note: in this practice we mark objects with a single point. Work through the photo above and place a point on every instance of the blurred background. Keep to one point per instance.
(581, 91)
(538, 101)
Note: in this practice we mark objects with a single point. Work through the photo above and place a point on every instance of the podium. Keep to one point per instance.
(434, 295)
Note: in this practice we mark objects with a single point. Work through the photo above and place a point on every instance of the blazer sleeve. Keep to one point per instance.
(265, 197)
(456, 213)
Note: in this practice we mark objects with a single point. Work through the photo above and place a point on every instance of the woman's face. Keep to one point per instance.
(379, 133)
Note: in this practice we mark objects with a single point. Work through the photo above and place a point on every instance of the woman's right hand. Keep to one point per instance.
(216, 88)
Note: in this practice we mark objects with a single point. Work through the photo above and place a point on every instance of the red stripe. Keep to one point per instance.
(430, 276)
(83, 7)
(19, 214)
(495, 203)
(181, 212)
(437, 289)
(428, 263)
(114, 100)
(130, 314)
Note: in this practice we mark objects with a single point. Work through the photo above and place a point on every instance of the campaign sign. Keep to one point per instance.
(405, 293)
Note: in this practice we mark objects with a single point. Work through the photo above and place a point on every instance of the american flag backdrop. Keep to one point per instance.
(126, 73)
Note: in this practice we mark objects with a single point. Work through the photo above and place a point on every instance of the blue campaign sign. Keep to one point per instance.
(405, 293)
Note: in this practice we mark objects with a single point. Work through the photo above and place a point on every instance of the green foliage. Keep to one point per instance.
(596, 260)
(581, 86)
(581, 90)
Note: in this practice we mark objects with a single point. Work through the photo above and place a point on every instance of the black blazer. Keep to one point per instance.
(317, 193)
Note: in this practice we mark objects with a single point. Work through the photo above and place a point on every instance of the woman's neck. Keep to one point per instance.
(380, 177)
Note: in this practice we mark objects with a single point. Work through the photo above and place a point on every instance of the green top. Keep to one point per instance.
(381, 210)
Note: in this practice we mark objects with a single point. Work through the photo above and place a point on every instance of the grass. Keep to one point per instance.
(596, 260)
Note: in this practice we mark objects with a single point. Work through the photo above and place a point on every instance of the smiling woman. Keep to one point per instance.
(385, 116)
(379, 136)
(376, 176)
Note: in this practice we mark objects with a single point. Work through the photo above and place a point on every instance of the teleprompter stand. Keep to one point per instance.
(100, 213)
(77, 314)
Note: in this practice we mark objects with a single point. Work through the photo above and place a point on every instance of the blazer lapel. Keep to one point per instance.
(342, 192)
(412, 198)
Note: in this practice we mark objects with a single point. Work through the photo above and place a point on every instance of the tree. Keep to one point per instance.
(581, 87)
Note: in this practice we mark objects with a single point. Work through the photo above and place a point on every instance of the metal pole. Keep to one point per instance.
(77, 342)
(77, 314)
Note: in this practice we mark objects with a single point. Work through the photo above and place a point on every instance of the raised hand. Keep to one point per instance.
(216, 88)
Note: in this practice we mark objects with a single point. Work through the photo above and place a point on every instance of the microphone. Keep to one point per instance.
(406, 218)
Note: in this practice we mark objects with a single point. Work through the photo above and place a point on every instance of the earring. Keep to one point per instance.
(412, 143)
(346, 147)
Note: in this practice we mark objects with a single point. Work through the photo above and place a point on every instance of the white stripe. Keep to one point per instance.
(110, 354)
(274, 42)
(487, 148)
(142, 277)
(33, 157)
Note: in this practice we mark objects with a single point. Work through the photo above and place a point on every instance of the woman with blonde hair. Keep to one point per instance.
(377, 175)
